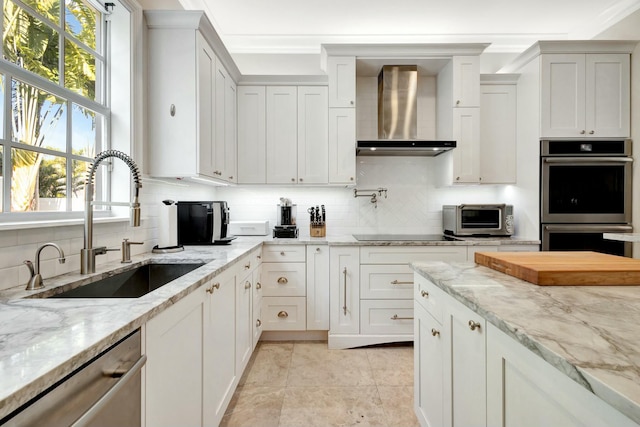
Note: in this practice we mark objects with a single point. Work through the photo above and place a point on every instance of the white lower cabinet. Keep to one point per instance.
(452, 353)
(244, 326)
(256, 309)
(525, 391)
(219, 335)
(284, 313)
(198, 348)
(317, 287)
(175, 355)
(387, 317)
(379, 307)
(465, 361)
(470, 373)
(429, 386)
(344, 291)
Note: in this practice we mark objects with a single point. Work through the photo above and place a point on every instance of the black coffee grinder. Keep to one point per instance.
(286, 227)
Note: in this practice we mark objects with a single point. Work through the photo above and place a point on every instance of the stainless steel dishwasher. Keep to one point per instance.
(104, 392)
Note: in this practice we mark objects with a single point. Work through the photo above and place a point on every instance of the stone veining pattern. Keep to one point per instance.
(590, 333)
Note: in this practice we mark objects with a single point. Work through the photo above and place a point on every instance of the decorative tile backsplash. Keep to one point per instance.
(19, 245)
(413, 205)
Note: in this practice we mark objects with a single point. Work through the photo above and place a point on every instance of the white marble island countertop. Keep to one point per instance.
(590, 333)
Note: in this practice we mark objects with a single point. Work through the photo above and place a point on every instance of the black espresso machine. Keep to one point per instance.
(203, 223)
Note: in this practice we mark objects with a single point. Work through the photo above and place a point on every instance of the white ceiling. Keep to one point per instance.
(301, 26)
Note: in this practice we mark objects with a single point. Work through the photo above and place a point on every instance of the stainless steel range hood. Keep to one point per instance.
(397, 117)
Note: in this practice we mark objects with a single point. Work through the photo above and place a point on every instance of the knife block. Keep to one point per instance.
(318, 230)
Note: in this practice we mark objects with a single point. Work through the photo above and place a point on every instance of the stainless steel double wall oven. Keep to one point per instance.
(585, 190)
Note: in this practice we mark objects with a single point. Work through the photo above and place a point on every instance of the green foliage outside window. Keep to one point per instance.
(32, 42)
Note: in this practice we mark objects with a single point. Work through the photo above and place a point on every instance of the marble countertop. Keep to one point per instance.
(42, 340)
(590, 333)
(623, 237)
(349, 240)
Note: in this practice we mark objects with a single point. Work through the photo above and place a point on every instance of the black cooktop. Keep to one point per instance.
(402, 237)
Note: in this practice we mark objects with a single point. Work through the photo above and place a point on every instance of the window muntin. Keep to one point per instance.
(58, 117)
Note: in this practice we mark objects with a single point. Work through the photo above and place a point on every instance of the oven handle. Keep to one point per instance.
(605, 228)
(108, 396)
(587, 159)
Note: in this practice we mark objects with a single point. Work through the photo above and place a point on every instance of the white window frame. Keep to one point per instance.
(119, 128)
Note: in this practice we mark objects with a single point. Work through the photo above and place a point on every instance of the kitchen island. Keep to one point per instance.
(533, 355)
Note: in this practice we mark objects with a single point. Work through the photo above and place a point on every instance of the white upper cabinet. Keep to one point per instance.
(585, 95)
(230, 128)
(466, 81)
(188, 112)
(466, 155)
(313, 135)
(458, 117)
(342, 146)
(282, 135)
(252, 163)
(498, 132)
(342, 81)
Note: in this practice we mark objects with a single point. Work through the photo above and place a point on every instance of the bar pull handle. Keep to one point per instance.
(396, 317)
(344, 307)
(88, 416)
(398, 282)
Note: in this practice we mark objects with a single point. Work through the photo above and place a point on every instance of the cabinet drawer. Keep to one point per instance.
(283, 253)
(430, 297)
(283, 279)
(386, 282)
(284, 314)
(407, 254)
(386, 317)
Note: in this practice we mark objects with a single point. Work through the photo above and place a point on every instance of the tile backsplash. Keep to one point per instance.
(413, 205)
(19, 245)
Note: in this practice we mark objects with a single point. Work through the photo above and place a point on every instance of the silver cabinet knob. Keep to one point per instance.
(293, 180)
(351, 102)
(591, 132)
(435, 332)
(473, 325)
(424, 294)
(282, 253)
(301, 180)
(258, 323)
(247, 284)
(317, 249)
(283, 314)
(582, 132)
(258, 285)
(282, 280)
(247, 265)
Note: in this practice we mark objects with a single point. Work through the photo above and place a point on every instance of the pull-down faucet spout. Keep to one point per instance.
(88, 253)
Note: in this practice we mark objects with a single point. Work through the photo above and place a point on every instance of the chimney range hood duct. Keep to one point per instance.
(397, 117)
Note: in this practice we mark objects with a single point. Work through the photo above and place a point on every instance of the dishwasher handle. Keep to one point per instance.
(86, 418)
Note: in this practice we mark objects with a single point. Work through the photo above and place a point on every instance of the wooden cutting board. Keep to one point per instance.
(564, 268)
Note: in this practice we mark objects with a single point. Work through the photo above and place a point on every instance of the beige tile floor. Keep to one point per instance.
(306, 384)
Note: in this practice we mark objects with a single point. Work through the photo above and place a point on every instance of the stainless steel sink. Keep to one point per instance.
(131, 284)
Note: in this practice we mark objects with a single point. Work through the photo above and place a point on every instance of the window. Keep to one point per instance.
(54, 113)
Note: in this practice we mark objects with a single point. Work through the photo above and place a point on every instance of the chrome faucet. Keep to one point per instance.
(35, 282)
(88, 253)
